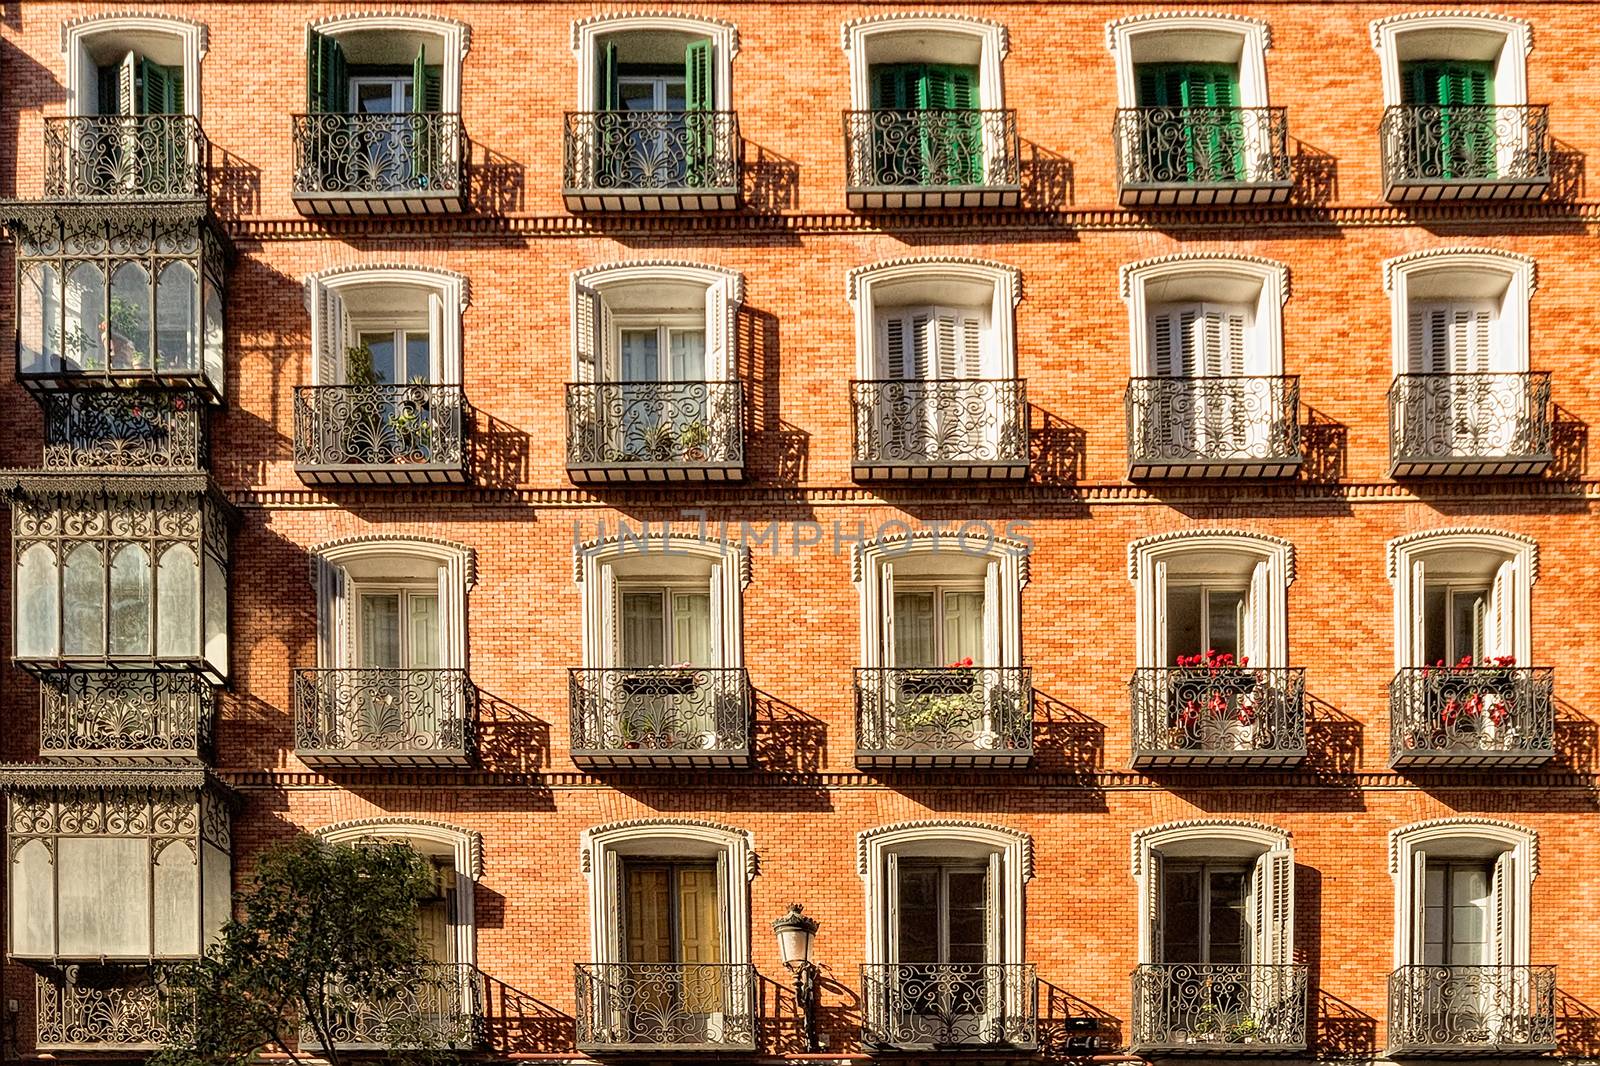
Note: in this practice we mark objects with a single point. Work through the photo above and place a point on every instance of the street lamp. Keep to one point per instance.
(795, 933)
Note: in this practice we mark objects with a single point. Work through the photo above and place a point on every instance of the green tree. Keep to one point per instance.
(329, 932)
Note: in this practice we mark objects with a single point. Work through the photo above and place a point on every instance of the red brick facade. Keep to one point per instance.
(804, 802)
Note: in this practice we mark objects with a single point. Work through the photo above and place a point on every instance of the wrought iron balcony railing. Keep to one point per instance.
(1473, 424)
(1452, 1011)
(665, 1006)
(1472, 716)
(399, 717)
(652, 161)
(1213, 426)
(911, 1005)
(380, 434)
(660, 716)
(442, 1009)
(125, 157)
(941, 427)
(1169, 156)
(655, 430)
(917, 716)
(125, 715)
(1218, 716)
(932, 158)
(1465, 151)
(108, 1008)
(360, 164)
(1219, 1008)
(124, 429)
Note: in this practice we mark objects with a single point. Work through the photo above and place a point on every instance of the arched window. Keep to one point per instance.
(1216, 937)
(401, 324)
(130, 64)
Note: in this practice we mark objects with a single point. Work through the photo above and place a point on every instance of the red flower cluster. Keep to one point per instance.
(1465, 663)
(1212, 661)
(960, 664)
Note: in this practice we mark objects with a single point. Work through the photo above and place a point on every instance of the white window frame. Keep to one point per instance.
(397, 84)
(464, 846)
(1268, 848)
(595, 570)
(940, 587)
(1195, 36)
(939, 35)
(1191, 274)
(588, 32)
(1506, 842)
(666, 588)
(1272, 569)
(1408, 567)
(1455, 35)
(330, 577)
(1005, 575)
(594, 335)
(604, 847)
(454, 40)
(998, 347)
(81, 80)
(332, 329)
(1509, 278)
(404, 591)
(665, 324)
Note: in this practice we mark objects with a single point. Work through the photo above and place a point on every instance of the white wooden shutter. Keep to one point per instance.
(333, 614)
(1450, 338)
(451, 625)
(1227, 357)
(719, 650)
(1502, 892)
(886, 614)
(891, 905)
(1154, 887)
(128, 85)
(1278, 907)
(614, 943)
(328, 334)
(438, 373)
(1157, 636)
(1256, 638)
(1419, 908)
(1415, 636)
(957, 337)
(587, 343)
(994, 641)
(1170, 330)
(909, 344)
(721, 330)
(1500, 638)
(609, 651)
(994, 947)
(895, 339)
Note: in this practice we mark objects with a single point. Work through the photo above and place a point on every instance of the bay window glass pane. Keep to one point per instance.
(417, 369)
(213, 337)
(177, 323)
(913, 628)
(129, 318)
(86, 318)
(33, 900)
(178, 602)
(104, 889)
(422, 636)
(130, 601)
(380, 630)
(640, 356)
(38, 608)
(1224, 621)
(83, 589)
(39, 319)
(691, 628)
(1184, 632)
(963, 627)
(177, 900)
(216, 615)
(643, 629)
(688, 354)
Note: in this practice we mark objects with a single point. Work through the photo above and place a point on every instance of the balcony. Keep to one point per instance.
(655, 431)
(375, 164)
(652, 161)
(380, 434)
(1231, 716)
(1456, 1011)
(154, 430)
(921, 717)
(1465, 152)
(665, 1007)
(443, 1009)
(1456, 716)
(107, 1008)
(940, 428)
(377, 717)
(125, 157)
(1469, 425)
(124, 716)
(660, 717)
(949, 1006)
(1218, 1009)
(1199, 156)
(1213, 427)
(896, 160)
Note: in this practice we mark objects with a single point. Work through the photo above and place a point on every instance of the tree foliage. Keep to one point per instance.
(328, 932)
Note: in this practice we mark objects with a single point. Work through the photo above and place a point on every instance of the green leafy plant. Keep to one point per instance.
(939, 697)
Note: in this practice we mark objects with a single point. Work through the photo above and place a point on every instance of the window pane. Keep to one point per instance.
(919, 914)
(33, 899)
(643, 629)
(1435, 628)
(380, 630)
(640, 357)
(688, 354)
(105, 896)
(177, 324)
(178, 602)
(967, 899)
(83, 588)
(374, 98)
(422, 609)
(38, 610)
(1226, 942)
(691, 628)
(1180, 914)
(177, 900)
(86, 317)
(417, 367)
(130, 318)
(913, 628)
(1469, 915)
(130, 601)
(39, 319)
(1433, 915)
(382, 348)
(637, 94)
(1223, 609)
(1468, 607)
(963, 627)
(1183, 622)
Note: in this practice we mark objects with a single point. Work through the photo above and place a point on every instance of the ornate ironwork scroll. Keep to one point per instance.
(382, 711)
(379, 425)
(107, 713)
(968, 420)
(1451, 416)
(1466, 143)
(1219, 710)
(944, 709)
(685, 1006)
(125, 157)
(442, 1008)
(124, 429)
(1213, 419)
(109, 1008)
(655, 422)
(1470, 712)
(1202, 145)
(660, 709)
(1220, 1006)
(1444, 1009)
(660, 150)
(911, 1005)
(921, 148)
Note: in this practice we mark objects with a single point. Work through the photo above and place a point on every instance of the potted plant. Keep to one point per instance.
(1471, 702)
(412, 429)
(1212, 701)
(693, 440)
(941, 700)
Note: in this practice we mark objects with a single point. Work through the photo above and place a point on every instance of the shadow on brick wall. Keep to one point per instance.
(771, 181)
(498, 452)
(775, 450)
(1567, 173)
(1324, 447)
(1315, 174)
(1577, 739)
(1061, 1031)
(1569, 445)
(516, 1023)
(1065, 739)
(787, 739)
(1057, 450)
(496, 184)
(1333, 739)
(1046, 178)
(235, 185)
(511, 739)
(1342, 1031)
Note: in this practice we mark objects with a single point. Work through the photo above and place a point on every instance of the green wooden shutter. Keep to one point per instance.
(955, 88)
(698, 88)
(152, 88)
(327, 81)
(607, 96)
(1208, 147)
(419, 82)
(174, 102)
(1458, 142)
(315, 74)
(698, 102)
